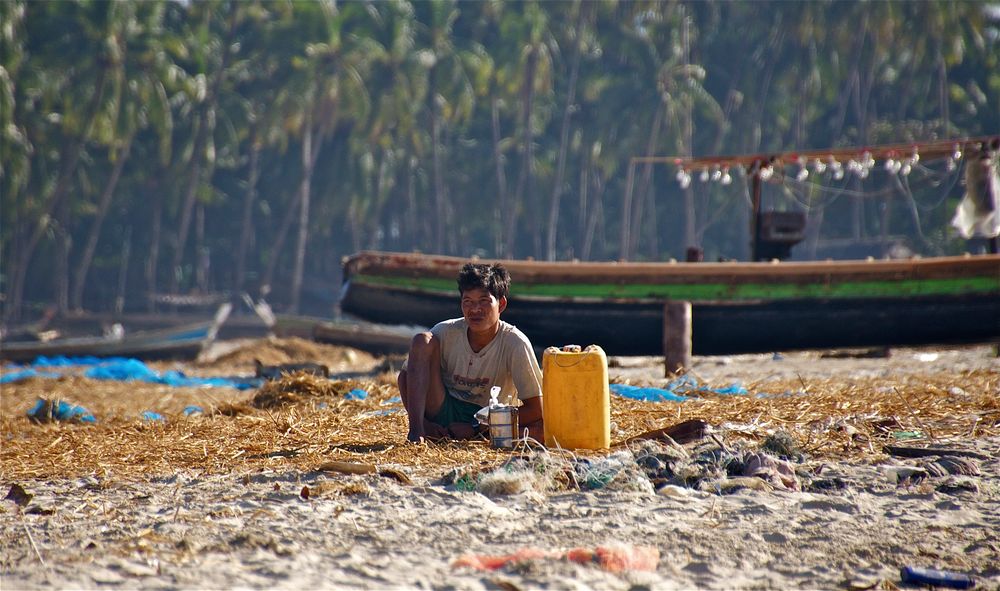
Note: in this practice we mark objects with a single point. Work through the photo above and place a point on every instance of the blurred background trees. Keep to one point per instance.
(220, 146)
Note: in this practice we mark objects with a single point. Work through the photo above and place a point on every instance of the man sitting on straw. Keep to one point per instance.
(450, 370)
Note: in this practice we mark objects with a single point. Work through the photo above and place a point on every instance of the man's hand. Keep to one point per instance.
(431, 431)
(434, 431)
(530, 418)
(462, 430)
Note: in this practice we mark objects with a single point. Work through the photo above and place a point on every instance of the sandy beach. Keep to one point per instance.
(807, 481)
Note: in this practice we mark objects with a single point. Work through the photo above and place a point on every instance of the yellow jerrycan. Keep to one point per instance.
(575, 400)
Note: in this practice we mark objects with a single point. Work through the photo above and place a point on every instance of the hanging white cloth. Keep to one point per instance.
(977, 214)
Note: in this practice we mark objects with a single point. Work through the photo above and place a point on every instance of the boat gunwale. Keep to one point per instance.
(532, 272)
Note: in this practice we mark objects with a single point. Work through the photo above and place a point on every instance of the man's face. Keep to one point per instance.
(481, 310)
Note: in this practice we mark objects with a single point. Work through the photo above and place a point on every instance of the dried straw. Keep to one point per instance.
(836, 418)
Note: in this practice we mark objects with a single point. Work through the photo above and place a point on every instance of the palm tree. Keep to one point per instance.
(576, 33)
(202, 159)
(140, 101)
(94, 32)
(327, 87)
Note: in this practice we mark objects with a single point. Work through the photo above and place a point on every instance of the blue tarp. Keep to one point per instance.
(646, 394)
(122, 369)
(60, 410)
(135, 370)
(24, 374)
(63, 361)
(675, 391)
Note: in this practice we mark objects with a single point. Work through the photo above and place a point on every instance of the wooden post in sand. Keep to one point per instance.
(676, 337)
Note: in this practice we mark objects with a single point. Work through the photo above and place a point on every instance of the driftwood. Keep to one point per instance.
(923, 452)
(347, 467)
(685, 432)
(363, 468)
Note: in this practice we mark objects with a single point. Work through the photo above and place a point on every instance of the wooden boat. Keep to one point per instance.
(737, 307)
(178, 342)
(377, 339)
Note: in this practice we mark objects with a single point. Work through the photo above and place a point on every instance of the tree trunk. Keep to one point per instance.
(644, 184)
(500, 211)
(550, 244)
(123, 272)
(70, 159)
(279, 241)
(626, 227)
(156, 234)
(246, 225)
(206, 126)
(63, 245)
(522, 194)
(202, 255)
(190, 192)
(413, 206)
(582, 207)
(595, 214)
(308, 161)
(83, 267)
(440, 198)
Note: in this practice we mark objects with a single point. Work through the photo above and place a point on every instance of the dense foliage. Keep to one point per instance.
(210, 146)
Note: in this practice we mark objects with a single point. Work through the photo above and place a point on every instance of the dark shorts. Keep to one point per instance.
(454, 410)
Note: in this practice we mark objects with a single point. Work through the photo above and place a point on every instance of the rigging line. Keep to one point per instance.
(841, 191)
(726, 203)
(867, 194)
(905, 189)
(820, 205)
(944, 194)
(933, 174)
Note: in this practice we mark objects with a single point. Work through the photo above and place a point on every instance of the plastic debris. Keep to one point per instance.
(380, 413)
(193, 410)
(46, 411)
(356, 394)
(18, 495)
(777, 472)
(148, 415)
(937, 578)
(612, 558)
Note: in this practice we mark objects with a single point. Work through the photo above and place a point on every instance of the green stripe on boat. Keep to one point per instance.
(712, 291)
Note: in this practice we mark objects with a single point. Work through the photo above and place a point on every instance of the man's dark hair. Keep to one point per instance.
(493, 278)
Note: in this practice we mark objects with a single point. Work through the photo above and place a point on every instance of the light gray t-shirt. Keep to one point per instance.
(508, 361)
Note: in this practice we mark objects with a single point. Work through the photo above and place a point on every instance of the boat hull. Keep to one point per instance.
(717, 329)
(184, 342)
(771, 308)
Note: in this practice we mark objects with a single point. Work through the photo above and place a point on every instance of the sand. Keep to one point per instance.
(154, 514)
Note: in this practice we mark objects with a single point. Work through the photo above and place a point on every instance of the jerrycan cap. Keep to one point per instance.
(572, 348)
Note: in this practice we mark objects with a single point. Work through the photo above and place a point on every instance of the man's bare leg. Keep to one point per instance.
(421, 387)
(431, 430)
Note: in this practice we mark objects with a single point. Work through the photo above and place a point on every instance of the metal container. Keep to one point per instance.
(503, 426)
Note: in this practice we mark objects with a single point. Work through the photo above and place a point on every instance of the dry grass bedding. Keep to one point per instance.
(303, 422)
